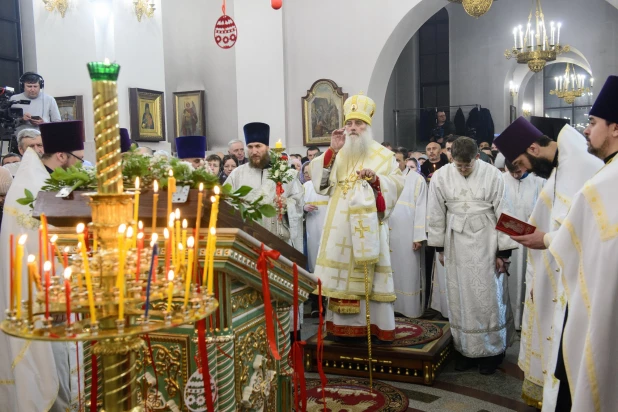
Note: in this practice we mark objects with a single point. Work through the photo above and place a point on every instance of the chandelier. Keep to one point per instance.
(475, 8)
(535, 47)
(143, 7)
(571, 85)
(60, 5)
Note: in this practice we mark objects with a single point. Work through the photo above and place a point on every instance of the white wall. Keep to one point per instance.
(480, 73)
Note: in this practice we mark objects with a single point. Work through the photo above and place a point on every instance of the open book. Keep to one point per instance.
(513, 226)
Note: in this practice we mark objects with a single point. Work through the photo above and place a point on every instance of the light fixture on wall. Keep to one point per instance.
(144, 8)
(571, 85)
(513, 89)
(526, 109)
(60, 5)
(535, 47)
(475, 8)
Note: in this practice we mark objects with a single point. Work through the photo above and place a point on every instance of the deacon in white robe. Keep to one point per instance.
(315, 206)
(465, 201)
(36, 375)
(582, 377)
(407, 224)
(567, 166)
(439, 295)
(522, 190)
(364, 182)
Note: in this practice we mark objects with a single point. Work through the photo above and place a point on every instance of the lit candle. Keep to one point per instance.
(67, 292)
(279, 145)
(558, 38)
(166, 235)
(172, 238)
(120, 240)
(65, 257)
(181, 256)
(521, 37)
(12, 274)
(31, 276)
(80, 235)
(151, 273)
(190, 244)
(46, 268)
(177, 237)
(121, 275)
(591, 81)
(19, 258)
(45, 237)
(198, 221)
(170, 289)
(41, 252)
(155, 202)
(135, 211)
(140, 246)
(185, 224)
(154, 241)
(54, 252)
(171, 188)
(213, 248)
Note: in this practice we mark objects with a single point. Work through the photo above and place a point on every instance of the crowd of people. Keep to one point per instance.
(416, 230)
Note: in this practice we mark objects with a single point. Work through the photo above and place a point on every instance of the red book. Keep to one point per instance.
(513, 226)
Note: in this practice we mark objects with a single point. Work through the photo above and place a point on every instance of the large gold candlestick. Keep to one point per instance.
(106, 134)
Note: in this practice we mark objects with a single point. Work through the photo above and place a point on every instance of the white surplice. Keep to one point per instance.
(462, 215)
(314, 222)
(342, 278)
(585, 248)
(439, 296)
(34, 375)
(575, 166)
(521, 196)
(407, 224)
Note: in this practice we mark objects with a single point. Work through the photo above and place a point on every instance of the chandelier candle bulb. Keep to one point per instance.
(31, 276)
(171, 188)
(155, 202)
(170, 289)
(515, 36)
(46, 269)
(67, 293)
(84, 253)
(521, 38)
(558, 38)
(19, 259)
(188, 279)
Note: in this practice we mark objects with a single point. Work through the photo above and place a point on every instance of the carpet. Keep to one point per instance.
(354, 395)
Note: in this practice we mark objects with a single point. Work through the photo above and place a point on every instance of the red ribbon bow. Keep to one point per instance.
(300, 388)
(263, 263)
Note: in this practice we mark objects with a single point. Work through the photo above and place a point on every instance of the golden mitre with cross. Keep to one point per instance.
(359, 107)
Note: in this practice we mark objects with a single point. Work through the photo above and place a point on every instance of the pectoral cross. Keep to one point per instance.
(361, 229)
(343, 246)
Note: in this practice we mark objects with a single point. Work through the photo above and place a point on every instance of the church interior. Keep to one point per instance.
(253, 325)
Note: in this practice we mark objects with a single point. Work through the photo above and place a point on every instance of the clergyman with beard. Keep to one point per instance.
(363, 180)
(566, 166)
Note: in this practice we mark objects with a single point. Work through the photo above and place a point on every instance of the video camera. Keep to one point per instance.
(9, 114)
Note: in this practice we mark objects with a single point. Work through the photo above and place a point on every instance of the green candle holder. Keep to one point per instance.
(103, 71)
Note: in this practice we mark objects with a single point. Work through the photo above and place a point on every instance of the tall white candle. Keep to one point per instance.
(515, 36)
(558, 39)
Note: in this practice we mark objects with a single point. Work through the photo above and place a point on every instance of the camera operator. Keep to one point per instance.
(42, 108)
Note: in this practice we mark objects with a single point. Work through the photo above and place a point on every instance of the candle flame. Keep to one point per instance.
(79, 245)
(217, 190)
(80, 228)
(180, 247)
(170, 275)
(213, 199)
(171, 173)
(190, 242)
(67, 273)
(53, 239)
(166, 233)
(137, 183)
(122, 228)
(47, 266)
(201, 187)
(31, 258)
(153, 240)
(140, 235)
(66, 249)
(22, 239)
(140, 225)
(106, 61)
(213, 231)
(129, 232)
(185, 224)
(177, 213)
(155, 186)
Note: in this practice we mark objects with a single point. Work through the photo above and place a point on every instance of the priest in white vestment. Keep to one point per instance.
(315, 208)
(582, 377)
(567, 166)
(37, 375)
(407, 224)
(465, 200)
(364, 182)
(255, 175)
(522, 190)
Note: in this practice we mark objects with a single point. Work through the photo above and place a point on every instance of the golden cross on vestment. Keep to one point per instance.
(348, 183)
(378, 152)
(361, 229)
(338, 278)
(363, 250)
(343, 245)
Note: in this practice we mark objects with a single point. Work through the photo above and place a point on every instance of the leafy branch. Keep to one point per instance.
(27, 200)
(252, 210)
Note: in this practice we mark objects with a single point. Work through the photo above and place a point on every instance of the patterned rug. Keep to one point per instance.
(354, 395)
(410, 332)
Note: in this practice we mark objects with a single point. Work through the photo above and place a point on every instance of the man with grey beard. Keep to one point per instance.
(364, 182)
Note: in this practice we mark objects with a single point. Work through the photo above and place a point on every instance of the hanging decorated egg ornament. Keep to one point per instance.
(226, 32)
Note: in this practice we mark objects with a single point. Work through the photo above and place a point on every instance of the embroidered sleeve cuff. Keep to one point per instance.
(329, 157)
(376, 184)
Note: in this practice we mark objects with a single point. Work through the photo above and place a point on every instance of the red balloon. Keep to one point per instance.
(276, 4)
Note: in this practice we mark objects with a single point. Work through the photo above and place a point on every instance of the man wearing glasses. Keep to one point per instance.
(50, 367)
(465, 201)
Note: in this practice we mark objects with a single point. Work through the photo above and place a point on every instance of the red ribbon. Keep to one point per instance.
(203, 366)
(300, 388)
(154, 366)
(279, 199)
(321, 346)
(94, 382)
(263, 263)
